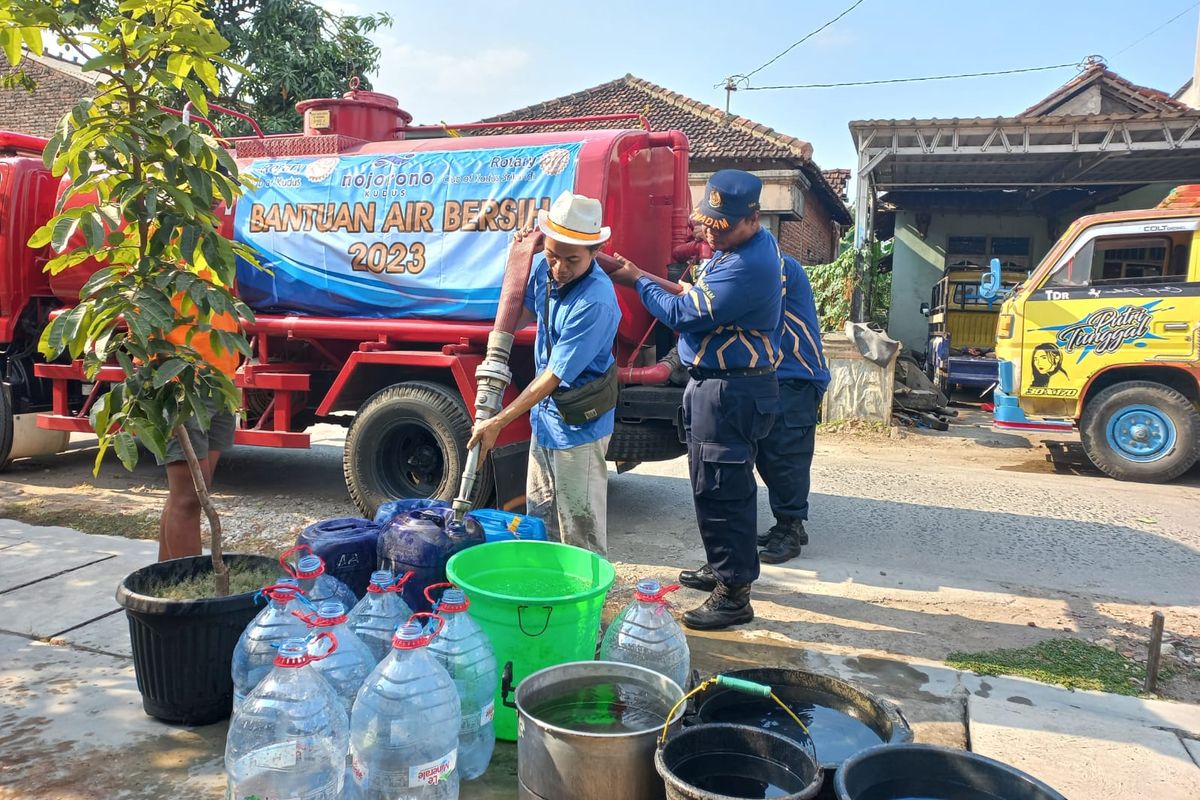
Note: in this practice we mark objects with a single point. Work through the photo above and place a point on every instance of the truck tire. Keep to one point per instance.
(1141, 431)
(644, 441)
(409, 440)
(6, 426)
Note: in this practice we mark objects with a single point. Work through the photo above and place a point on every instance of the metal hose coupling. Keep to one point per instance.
(492, 377)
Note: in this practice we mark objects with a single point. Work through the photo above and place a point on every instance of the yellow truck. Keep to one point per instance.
(962, 329)
(1104, 337)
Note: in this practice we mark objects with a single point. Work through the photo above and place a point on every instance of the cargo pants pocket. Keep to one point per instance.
(725, 471)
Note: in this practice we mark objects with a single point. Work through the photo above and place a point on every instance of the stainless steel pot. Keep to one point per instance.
(555, 762)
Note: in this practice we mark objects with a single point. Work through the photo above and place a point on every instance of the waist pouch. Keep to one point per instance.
(582, 404)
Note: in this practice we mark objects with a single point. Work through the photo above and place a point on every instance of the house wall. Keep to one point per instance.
(39, 111)
(791, 211)
(813, 239)
(918, 263)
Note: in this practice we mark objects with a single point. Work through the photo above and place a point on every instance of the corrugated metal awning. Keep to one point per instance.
(1029, 152)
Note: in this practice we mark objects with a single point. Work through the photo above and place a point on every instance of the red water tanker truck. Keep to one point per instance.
(392, 266)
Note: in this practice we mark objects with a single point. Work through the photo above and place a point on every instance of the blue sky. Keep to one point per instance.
(460, 61)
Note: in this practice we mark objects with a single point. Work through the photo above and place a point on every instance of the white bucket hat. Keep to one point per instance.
(574, 219)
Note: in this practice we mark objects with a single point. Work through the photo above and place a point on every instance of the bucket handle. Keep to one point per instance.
(521, 620)
(745, 687)
(506, 686)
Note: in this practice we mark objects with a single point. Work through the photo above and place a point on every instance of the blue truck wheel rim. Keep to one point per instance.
(1141, 433)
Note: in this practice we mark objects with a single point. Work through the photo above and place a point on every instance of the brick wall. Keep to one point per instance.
(39, 111)
(812, 240)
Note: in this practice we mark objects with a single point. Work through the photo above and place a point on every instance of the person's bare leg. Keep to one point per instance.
(179, 526)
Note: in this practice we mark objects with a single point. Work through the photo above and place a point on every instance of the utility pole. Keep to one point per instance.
(730, 88)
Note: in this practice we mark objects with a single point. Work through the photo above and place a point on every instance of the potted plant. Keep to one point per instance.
(139, 207)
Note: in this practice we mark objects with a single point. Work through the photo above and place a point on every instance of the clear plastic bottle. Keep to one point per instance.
(380, 612)
(347, 667)
(647, 635)
(404, 727)
(290, 736)
(255, 652)
(317, 585)
(466, 652)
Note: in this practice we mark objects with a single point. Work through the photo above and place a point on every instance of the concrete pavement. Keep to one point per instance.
(72, 727)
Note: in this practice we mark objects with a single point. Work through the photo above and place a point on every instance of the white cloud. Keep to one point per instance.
(455, 87)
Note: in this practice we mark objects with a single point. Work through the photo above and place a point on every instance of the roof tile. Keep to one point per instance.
(716, 138)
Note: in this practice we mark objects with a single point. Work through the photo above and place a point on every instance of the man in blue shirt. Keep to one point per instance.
(785, 455)
(728, 324)
(577, 315)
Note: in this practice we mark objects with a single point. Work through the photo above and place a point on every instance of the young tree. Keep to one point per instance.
(140, 206)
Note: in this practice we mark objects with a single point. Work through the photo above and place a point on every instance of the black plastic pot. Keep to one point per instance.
(891, 772)
(183, 649)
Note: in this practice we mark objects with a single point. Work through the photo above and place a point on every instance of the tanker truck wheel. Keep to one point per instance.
(409, 440)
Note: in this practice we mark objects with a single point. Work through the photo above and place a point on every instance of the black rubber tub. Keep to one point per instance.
(183, 649)
(843, 718)
(936, 773)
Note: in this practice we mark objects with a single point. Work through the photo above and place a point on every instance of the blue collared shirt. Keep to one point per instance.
(800, 332)
(581, 328)
(729, 319)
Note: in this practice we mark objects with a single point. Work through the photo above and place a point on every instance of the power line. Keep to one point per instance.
(907, 80)
(1159, 28)
(797, 44)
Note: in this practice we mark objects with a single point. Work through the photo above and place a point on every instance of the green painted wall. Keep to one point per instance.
(1145, 197)
(917, 263)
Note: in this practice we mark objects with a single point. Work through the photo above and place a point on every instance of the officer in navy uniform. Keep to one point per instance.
(785, 455)
(728, 324)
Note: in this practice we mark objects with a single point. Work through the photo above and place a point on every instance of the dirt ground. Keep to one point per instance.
(856, 597)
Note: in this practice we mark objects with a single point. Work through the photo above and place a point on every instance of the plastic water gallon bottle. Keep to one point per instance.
(347, 667)
(317, 585)
(421, 541)
(290, 737)
(377, 616)
(645, 634)
(404, 727)
(466, 652)
(255, 652)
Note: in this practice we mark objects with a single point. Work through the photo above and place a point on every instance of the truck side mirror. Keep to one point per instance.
(925, 309)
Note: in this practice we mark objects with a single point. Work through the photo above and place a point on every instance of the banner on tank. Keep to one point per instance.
(422, 234)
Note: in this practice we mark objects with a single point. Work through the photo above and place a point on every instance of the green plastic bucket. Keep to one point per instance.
(539, 603)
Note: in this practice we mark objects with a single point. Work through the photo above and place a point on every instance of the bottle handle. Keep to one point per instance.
(276, 592)
(429, 637)
(398, 585)
(429, 589)
(333, 645)
(283, 562)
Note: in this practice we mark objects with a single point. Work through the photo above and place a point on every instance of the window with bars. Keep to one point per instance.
(976, 252)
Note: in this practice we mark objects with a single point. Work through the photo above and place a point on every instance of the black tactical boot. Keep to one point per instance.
(785, 542)
(764, 538)
(726, 606)
(703, 579)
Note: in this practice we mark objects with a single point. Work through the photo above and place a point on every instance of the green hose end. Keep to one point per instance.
(744, 686)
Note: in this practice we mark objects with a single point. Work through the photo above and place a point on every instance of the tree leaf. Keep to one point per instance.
(10, 38)
(126, 447)
(167, 371)
(64, 229)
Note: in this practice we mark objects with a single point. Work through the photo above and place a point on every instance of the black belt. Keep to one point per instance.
(748, 372)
